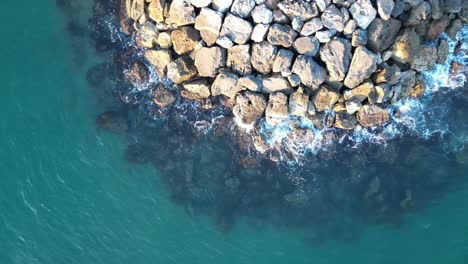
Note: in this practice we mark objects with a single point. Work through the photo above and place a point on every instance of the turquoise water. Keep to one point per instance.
(67, 196)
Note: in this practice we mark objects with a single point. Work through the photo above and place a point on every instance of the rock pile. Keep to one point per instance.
(274, 59)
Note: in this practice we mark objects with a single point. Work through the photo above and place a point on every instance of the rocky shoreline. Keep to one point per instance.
(339, 63)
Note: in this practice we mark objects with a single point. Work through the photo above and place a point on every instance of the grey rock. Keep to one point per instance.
(262, 15)
(283, 60)
(281, 35)
(381, 34)
(425, 59)
(208, 22)
(311, 74)
(311, 26)
(263, 56)
(249, 107)
(406, 45)
(238, 59)
(307, 45)
(298, 8)
(259, 32)
(222, 6)
(225, 84)
(385, 8)
(337, 56)
(363, 64)
(275, 83)
(332, 18)
(242, 8)
(363, 13)
(236, 29)
(359, 38)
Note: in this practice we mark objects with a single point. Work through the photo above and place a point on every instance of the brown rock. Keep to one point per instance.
(181, 13)
(163, 97)
(238, 59)
(325, 99)
(277, 109)
(185, 39)
(249, 107)
(371, 115)
(158, 59)
(181, 70)
(363, 64)
(196, 90)
(209, 61)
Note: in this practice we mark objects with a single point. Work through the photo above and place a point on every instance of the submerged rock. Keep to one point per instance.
(163, 97)
(112, 121)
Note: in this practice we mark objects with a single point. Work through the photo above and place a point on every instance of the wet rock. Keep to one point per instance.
(239, 59)
(185, 39)
(442, 51)
(181, 70)
(147, 35)
(406, 46)
(380, 93)
(163, 97)
(425, 59)
(407, 82)
(251, 83)
(359, 93)
(437, 27)
(359, 38)
(281, 35)
(363, 64)
(181, 13)
(345, 121)
(196, 90)
(263, 56)
(419, 14)
(262, 15)
(385, 8)
(325, 99)
(259, 32)
(156, 10)
(363, 13)
(453, 28)
(137, 74)
(306, 46)
(209, 61)
(208, 22)
(298, 102)
(311, 74)
(249, 107)
(275, 83)
(371, 115)
(332, 18)
(158, 59)
(222, 6)
(389, 74)
(242, 8)
(225, 84)
(283, 60)
(113, 121)
(311, 26)
(277, 109)
(337, 55)
(381, 34)
(298, 8)
(236, 29)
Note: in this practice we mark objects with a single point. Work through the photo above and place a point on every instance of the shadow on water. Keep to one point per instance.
(209, 169)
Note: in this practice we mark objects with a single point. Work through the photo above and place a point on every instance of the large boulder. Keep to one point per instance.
(277, 109)
(311, 74)
(337, 55)
(158, 59)
(363, 13)
(184, 39)
(236, 29)
(371, 115)
(325, 98)
(263, 56)
(382, 33)
(249, 107)
(180, 13)
(181, 70)
(196, 90)
(298, 102)
(281, 35)
(208, 22)
(210, 60)
(406, 46)
(225, 84)
(363, 64)
(238, 59)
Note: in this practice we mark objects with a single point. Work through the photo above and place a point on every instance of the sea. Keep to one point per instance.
(68, 195)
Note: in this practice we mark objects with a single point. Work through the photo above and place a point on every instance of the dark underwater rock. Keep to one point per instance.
(113, 121)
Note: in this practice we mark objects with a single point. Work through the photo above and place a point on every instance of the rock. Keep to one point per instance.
(283, 60)
(259, 32)
(324, 36)
(332, 18)
(442, 51)
(164, 40)
(371, 115)
(307, 46)
(209, 61)
(236, 29)
(196, 90)
(298, 8)
(251, 83)
(184, 39)
(239, 59)
(158, 59)
(135, 9)
(349, 27)
(277, 109)
(294, 80)
(359, 38)
(298, 103)
(181, 13)
(311, 74)
(262, 15)
(345, 121)
(337, 55)
(436, 8)
(363, 64)
(353, 106)
(412, 3)
(380, 93)
(163, 97)
(181, 70)
(363, 13)
(399, 8)
(281, 35)
(381, 34)
(311, 26)
(437, 27)
(147, 35)
(224, 42)
(385, 8)
(137, 74)
(263, 55)
(325, 99)
(225, 84)
(242, 8)
(208, 22)
(360, 93)
(279, 17)
(425, 59)
(453, 6)
(200, 3)
(407, 82)
(222, 6)
(249, 107)
(389, 74)
(297, 24)
(418, 14)
(156, 10)
(453, 28)
(406, 46)
(113, 121)
(275, 83)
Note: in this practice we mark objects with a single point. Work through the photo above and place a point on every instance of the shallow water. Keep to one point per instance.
(68, 196)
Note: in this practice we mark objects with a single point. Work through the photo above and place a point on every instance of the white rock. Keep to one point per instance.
(236, 29)
(363, 12)
(259, 32)
(262, 15)
(200, 3)
(222, 5)
(242, 8)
